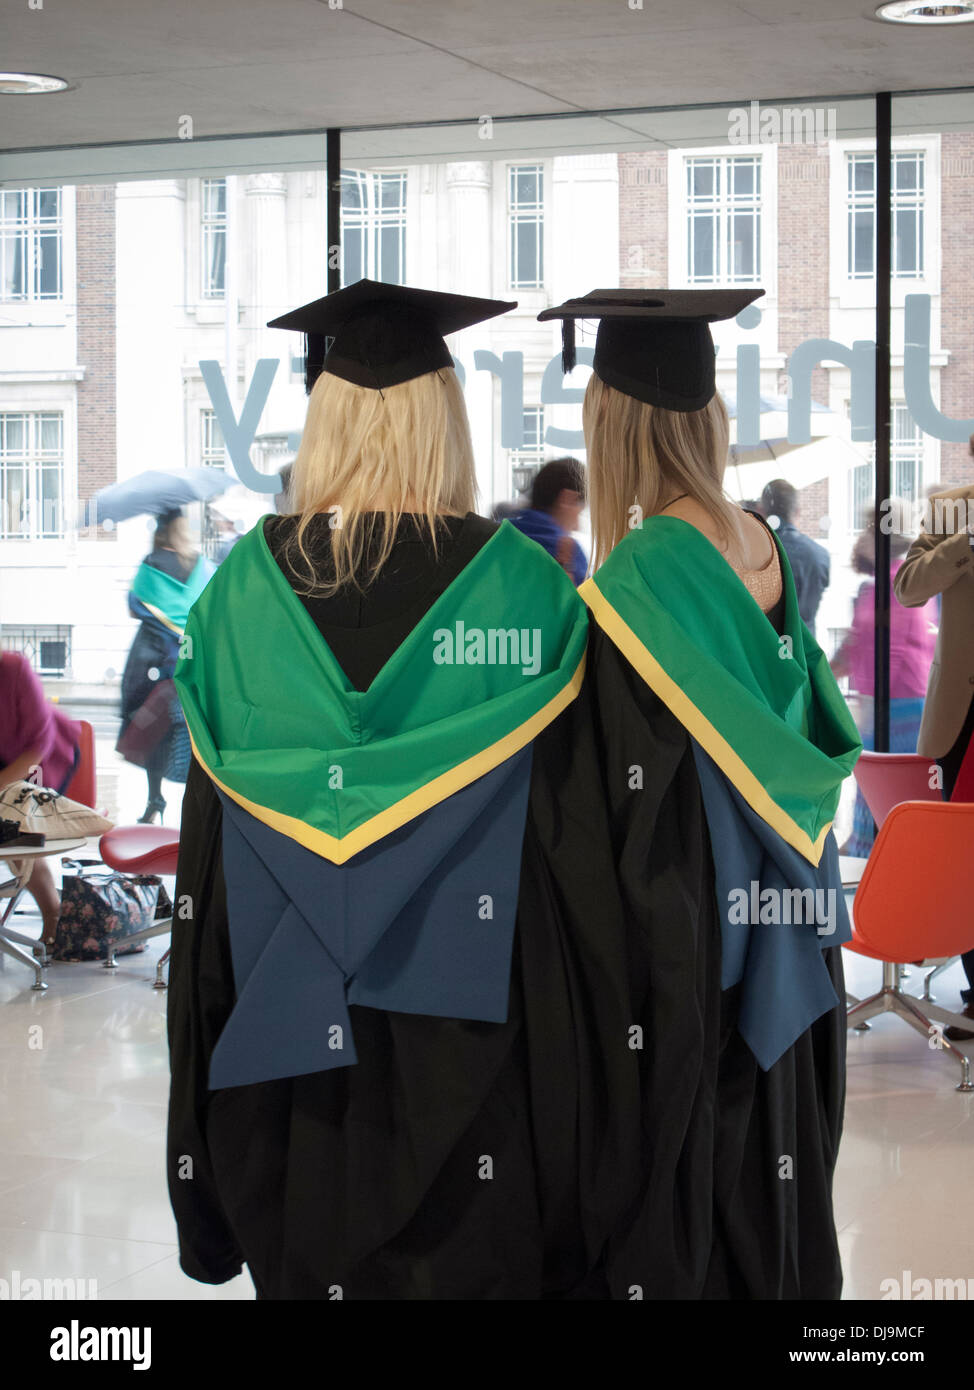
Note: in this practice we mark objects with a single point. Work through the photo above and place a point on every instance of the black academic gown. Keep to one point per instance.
(716, 1216)
(374, 1181)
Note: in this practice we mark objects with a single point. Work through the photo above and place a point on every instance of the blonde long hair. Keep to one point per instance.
(640, 454)
(362, 451)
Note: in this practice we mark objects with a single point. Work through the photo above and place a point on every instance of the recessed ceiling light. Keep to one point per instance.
(20, 84)
(916, 12)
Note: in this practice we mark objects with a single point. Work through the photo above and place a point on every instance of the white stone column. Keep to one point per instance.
(585, 248)
(467, 256)
(262, 252)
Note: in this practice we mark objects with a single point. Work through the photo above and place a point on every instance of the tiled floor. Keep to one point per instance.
(82, 1185)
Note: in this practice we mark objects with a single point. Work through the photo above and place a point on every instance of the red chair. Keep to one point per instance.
(914, 902)
(82, 785)
(142, 849)
(886, 779)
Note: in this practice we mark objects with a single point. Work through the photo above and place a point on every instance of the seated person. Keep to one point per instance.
(39, 743)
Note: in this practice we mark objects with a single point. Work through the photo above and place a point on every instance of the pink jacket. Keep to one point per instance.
(29, 720)
(912, 639)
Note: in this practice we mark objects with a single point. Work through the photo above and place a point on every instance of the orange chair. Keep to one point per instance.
(82, 785)
(886, 779)
(914, 902)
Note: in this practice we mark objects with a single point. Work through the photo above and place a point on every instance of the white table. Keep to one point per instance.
(851, 870)
(19, 860)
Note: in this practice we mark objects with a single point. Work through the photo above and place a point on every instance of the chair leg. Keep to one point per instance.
(160, 983)
(862, 1009)
(906, 1007)
(160, 927)
(935, 971)
(8, 948)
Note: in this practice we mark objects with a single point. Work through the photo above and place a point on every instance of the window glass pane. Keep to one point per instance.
(905, 172)
(702, 179)
(744, 247)
(864, 174)
(393, 191)
(352, 189)
(526, 188)
(390, 255)
(50, 501)
(527, 253)
(50, 433)
(905, 242)
(13, 498)
(14, 434)
(744, 178)
(49, 266)
(48, 200)
(702, 253)
(863, 223)
(14, 200)
(353, 255)
(13, 269)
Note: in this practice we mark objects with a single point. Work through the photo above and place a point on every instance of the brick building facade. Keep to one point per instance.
(97, 454)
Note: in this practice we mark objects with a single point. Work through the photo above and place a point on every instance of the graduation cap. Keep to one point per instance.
(654, 345)
(377, 335)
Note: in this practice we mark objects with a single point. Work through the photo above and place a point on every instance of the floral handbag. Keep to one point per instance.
(100, 909)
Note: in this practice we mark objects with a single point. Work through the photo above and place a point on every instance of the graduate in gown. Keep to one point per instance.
(725, 742)
(399, 1002)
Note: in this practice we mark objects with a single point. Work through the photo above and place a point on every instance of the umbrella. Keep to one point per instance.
(756, 464)
(745, 477)
(155, 492)
(770, 405)
(765, 450)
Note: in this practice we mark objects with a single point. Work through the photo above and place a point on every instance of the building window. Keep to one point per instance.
(373, 226)
(907, 176)
(48, 648)
(525, 212)
(211, 440)
(906, 467)
(30, 243)
(526, 460)
(213, 225)
(723, 219)
(31, 475)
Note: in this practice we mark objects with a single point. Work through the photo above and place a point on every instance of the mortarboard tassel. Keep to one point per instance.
(567, 345)
(315, 349)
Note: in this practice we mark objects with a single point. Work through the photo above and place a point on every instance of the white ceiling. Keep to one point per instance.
(261, 66)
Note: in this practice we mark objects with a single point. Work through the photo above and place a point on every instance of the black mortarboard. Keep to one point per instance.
(377, 335)
(654, 345)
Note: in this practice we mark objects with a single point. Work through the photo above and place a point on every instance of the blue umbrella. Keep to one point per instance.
(155, 492)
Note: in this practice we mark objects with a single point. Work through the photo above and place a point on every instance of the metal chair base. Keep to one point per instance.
(160, 983)
(935, 971)
(891, 999)
(159, 928)
(8, 948)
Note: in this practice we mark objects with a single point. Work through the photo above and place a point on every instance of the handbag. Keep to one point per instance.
(55, 816)
(149, 725)
(101, 909)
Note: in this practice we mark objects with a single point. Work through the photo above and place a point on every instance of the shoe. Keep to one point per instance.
(156, 806)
